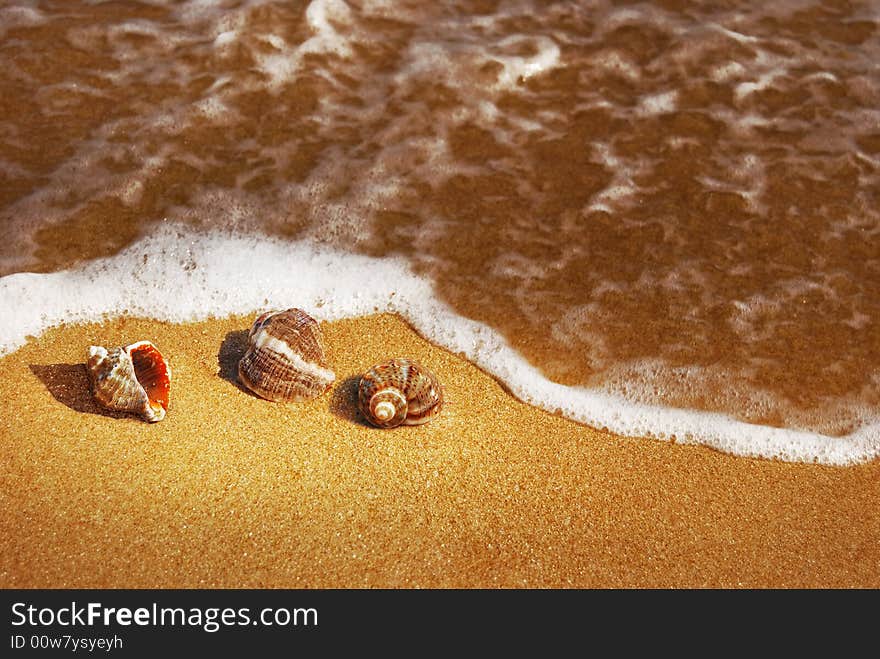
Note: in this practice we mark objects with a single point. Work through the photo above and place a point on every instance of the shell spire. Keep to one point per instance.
(399, 392)
(134, 378)
(285, 360)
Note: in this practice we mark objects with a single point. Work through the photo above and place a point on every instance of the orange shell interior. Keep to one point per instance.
(152, 373)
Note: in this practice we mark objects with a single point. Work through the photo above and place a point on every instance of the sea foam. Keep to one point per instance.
(179, 275)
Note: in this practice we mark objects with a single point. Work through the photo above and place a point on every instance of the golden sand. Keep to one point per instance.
(233, 491)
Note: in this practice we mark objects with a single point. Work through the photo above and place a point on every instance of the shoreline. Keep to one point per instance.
(230, 281)
(234, 491)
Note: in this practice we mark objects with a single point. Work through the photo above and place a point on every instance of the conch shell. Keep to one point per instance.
(397, 392)
(285, 358)
(133, 378)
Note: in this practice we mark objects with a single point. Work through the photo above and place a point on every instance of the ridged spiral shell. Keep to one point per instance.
(285, 359)
(399, 392)
(134, 378)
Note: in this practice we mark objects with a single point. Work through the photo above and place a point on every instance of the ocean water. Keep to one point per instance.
(661, 218)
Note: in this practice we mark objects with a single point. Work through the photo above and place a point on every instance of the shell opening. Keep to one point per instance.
(152, 374)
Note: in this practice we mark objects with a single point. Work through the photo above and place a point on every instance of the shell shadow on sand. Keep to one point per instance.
(231, 351)
(344, 401)
(69, 384)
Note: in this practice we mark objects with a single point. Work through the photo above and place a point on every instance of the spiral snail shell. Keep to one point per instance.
(399, 391)
(285, 359)
(133, 378)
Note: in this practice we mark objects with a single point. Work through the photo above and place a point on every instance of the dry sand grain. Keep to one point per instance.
(233, 491)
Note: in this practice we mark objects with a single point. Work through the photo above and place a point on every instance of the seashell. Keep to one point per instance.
(285, 358)
(133, 378)
(397, 392)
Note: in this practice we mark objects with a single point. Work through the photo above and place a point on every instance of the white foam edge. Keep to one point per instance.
(178, 275)
(522, 68)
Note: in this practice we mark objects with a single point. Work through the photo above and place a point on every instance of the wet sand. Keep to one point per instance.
(233, 491)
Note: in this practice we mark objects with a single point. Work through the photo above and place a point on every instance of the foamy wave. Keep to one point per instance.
(178, 275)
(19, 16)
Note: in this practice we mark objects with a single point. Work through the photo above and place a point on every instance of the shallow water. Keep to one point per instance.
(667, 204)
